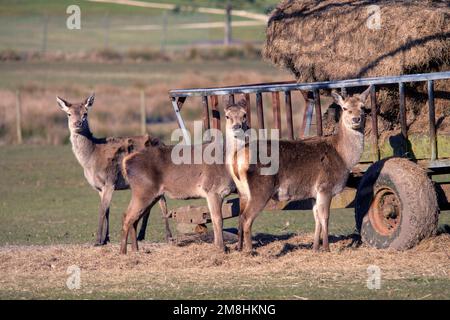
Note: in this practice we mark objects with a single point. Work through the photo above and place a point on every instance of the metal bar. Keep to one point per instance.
(374, 113)
(289, 86)
(215, 112)
(289, 121)
(206, 122)
(318, 112)
(305, 111)
(231, 99)
(276, 110)
(404, 129)
(249, 110)
(177, 109)
(432, 120)
(259, 110)
(308, 117)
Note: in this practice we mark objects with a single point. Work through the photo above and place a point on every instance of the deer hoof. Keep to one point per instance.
(99, 244)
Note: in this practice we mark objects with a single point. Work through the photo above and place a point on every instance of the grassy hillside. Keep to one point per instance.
(41, 26)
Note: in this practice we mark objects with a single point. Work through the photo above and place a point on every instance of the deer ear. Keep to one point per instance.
(64, 105)
(338, 98)
(242, 103)
(89, 101)
(363, 96)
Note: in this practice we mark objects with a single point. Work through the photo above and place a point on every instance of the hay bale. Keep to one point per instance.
(331, 39)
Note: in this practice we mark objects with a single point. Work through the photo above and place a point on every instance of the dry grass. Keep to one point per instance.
(35, 269)
(116, 110)
(330, 40)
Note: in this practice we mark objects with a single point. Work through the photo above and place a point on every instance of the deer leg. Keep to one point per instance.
(133, 230)
(144, 223)
(215, 208)
(165, 215)
(242, 205)
(136, 209)
(146, 215)
(103, 215)
(323, 208)
(317, 228)
(254, 206)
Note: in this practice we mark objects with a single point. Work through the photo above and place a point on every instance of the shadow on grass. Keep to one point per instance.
(354, 243)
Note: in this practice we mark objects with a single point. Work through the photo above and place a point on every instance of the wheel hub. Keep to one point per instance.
(385, 211)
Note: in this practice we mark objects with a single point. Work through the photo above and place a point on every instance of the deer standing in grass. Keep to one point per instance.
(101, 160)
(152, 173)
(316, 168)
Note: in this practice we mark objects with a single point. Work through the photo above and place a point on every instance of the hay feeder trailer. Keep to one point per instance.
(380, 187)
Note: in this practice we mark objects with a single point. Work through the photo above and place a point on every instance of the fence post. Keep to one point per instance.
(18, 117)
(143, 114)
(164, 32)
(228, 37)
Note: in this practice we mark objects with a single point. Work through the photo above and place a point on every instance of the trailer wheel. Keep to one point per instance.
(396, 205)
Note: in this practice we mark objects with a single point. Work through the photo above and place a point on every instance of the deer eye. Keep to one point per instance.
(227, 117)
(68, 114)
(245, 116)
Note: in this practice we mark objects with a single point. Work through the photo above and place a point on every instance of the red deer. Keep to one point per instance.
(152, 173)
(316, 168)
(101, 160)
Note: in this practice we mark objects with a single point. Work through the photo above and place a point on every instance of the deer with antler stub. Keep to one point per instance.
(313, 168)
(101, 159)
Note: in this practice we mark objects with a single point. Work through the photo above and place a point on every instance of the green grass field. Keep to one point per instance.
(46, 200)
(48, 218)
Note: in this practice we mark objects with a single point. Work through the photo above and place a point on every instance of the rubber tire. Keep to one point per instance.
(418, 203)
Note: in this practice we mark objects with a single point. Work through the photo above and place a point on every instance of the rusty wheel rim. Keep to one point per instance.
(385, 212)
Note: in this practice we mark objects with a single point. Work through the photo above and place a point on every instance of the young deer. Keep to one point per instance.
(316, 167)
(101, 160)
(152, 174)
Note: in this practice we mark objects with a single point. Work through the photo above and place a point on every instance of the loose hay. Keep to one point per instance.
(36, 268)
(328, 40)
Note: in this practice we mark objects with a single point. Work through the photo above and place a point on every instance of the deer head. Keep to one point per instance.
(77, 113)
(236, 118)
(353, 109)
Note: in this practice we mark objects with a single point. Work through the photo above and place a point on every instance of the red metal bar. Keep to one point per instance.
(276, 110)
(206, 123)
(289, 121)
(249, 109)
(231, 99)
(305, 113)
(215, 112)
(259, 110)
